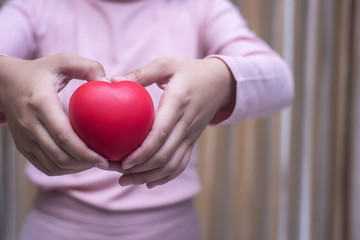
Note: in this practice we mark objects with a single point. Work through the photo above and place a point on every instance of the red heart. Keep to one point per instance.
(113, 119)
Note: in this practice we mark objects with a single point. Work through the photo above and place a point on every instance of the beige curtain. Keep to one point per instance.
(293, 176)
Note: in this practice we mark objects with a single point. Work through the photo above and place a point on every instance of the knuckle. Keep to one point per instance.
(38, 102)
(65, 55)
(24, 131)
(95, 65)
(82, 158)
(61, 138)
(94, 69)
(162, 159)
(24, 124)
(162, 136)
(182, 95)
(162, 61)
(171, 168)
(179, 170)
(136, 74)
(63, 161)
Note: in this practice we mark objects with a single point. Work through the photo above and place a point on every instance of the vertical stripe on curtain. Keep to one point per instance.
(8, 186)
(292, 172)
(353, 209)
(2, 189)
(286, 123)
(16, 191)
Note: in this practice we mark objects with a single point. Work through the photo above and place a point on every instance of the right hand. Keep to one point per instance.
(38, 124)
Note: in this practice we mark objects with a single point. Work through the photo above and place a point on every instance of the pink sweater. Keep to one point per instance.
(124, 35)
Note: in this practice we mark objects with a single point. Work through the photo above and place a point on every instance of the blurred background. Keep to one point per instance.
(294, 176)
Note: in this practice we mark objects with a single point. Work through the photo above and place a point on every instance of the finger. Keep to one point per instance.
(55, 154)
(166, 152)
(186, 130)
(175, 174)
(166, 118)
(41, 160)
(38, 153)
(57, 124)
(115, 166)
(38, 164)
(159, 173)
(79, 67)
(158, 71)
(41, 167)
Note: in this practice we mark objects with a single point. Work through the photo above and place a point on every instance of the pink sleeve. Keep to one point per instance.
(17, 28)
(264, 82)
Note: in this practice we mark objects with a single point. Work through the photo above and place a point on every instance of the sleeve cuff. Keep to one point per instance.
(237, 111)
(264, 85)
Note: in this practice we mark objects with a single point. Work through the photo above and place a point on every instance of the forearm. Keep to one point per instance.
(263, 81)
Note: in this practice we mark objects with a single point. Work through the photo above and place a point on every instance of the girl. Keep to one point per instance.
(209, 68)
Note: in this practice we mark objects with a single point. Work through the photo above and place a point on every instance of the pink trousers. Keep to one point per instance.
(59, 217)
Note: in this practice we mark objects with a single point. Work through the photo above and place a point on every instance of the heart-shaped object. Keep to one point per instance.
(113, 119)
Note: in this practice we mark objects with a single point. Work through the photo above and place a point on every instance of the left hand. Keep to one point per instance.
(195, 93)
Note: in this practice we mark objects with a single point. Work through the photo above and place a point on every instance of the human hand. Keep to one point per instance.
(195, 93)
(38, 124)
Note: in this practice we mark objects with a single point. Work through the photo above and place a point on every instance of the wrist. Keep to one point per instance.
(227, 85)
(8, 67)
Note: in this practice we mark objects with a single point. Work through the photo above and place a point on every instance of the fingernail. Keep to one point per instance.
(125, 182)
(118, 78)
(127, 165)
(102, 165)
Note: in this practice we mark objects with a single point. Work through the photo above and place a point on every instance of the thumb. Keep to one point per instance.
(73, 66)
(158, 71)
